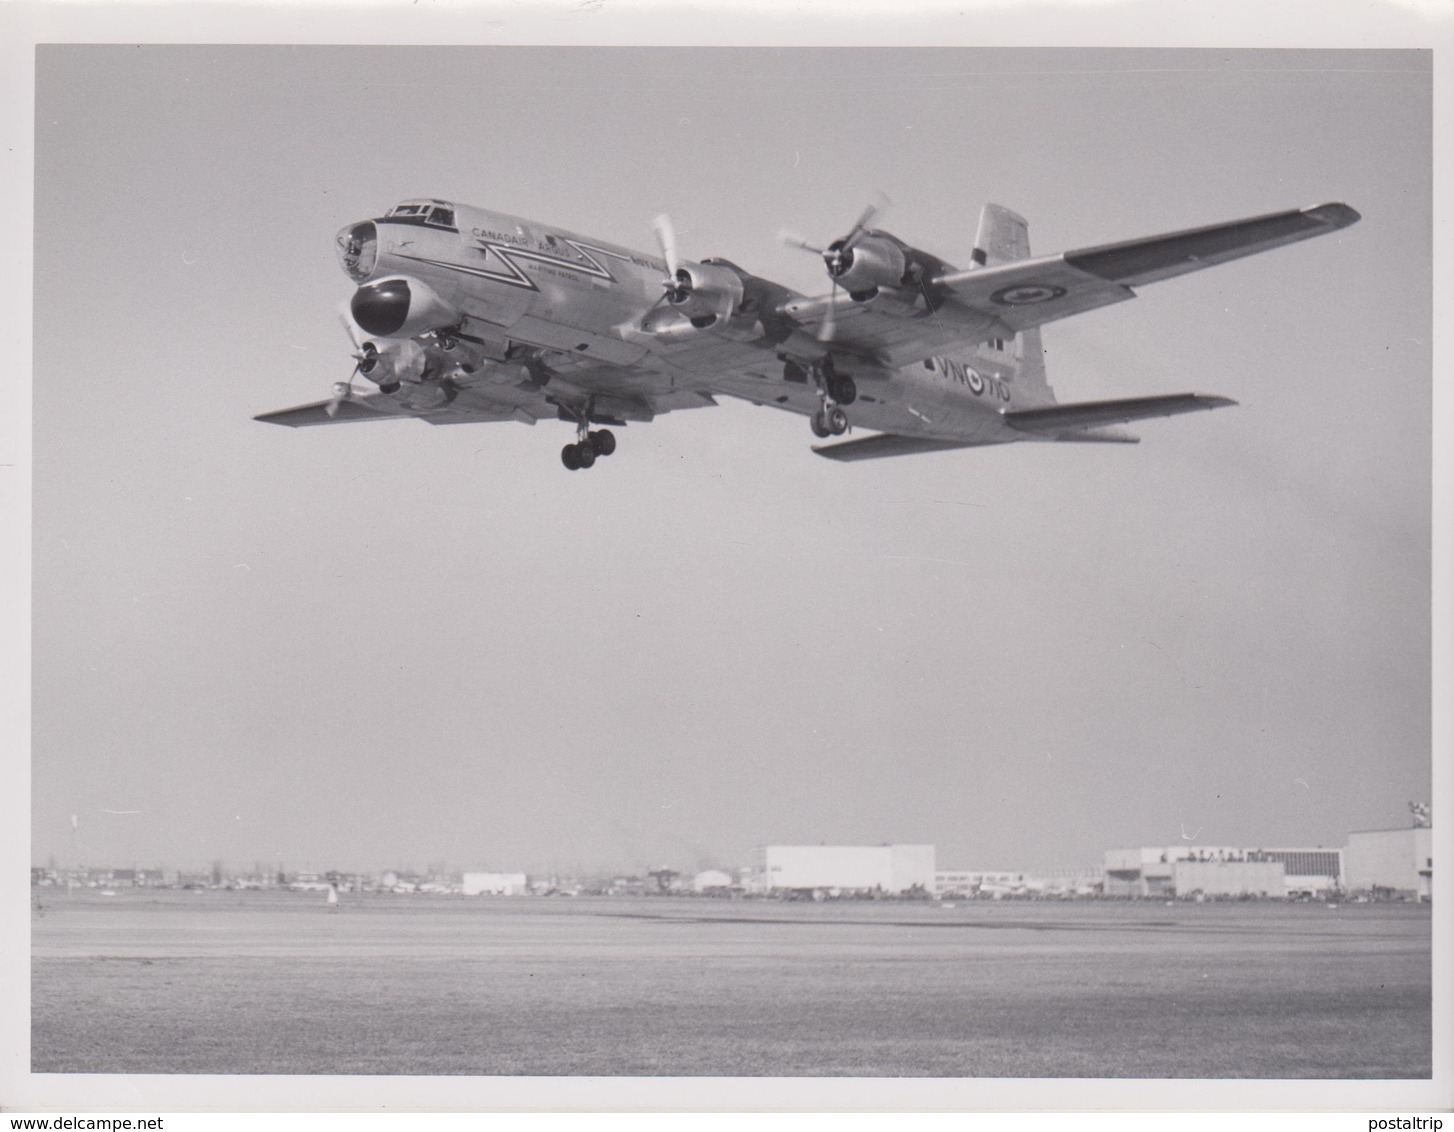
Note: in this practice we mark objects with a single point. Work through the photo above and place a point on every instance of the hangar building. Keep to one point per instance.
(1228, 878)
(1180, 870)
(1398, 861)
(493, 884)
(850, 868)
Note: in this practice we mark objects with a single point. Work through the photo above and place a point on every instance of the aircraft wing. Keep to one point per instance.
(507, 393)
(365, 408)
(990, 302)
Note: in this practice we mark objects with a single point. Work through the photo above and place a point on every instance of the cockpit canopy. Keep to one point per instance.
(358, 244)
(435, 213)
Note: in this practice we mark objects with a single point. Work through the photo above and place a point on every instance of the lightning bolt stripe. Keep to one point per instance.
(514, 275)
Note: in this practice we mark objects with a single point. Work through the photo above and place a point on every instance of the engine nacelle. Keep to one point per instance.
(400, 307)
(872, 261)
(706, 293)
(387, 364)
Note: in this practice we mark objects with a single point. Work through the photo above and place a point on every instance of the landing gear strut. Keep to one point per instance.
(834, 391)
(588, 446)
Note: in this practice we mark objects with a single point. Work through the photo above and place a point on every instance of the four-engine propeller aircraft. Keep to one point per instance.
(463, 315)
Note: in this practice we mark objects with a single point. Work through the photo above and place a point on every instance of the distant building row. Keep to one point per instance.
(1388, 863)
(1382, 862)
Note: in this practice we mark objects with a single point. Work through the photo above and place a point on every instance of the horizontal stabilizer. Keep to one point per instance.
(1092, 414)
(317, 414)
(1098, 436)
(887, 444)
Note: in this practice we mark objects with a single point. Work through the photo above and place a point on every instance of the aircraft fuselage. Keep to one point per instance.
(514, 282)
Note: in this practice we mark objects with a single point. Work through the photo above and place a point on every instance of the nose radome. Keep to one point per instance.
(381, 308)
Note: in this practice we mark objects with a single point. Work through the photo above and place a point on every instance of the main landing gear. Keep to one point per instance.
(834, 391)
(583, 453)
(828, 422)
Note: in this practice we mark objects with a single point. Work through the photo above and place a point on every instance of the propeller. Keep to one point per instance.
(676, 289)
(838, 258)
(365, 357)
(342, 391)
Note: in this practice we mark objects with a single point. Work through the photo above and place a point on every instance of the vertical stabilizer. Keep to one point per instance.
(1004, 237)
(1031, 385)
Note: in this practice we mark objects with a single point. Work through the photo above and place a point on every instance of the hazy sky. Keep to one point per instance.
(393, 645)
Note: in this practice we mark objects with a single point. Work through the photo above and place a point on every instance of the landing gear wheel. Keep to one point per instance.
(570, 456)
(604, 442)
(585, 454)
(843, 390)
(837, 421)
(820, 426)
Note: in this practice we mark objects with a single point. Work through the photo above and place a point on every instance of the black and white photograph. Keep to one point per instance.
(927, 583)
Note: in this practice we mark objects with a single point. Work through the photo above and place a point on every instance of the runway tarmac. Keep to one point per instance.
(154, 981)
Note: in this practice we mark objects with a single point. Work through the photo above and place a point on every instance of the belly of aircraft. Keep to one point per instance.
(914, 409)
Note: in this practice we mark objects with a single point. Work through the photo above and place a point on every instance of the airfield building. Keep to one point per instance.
(494, 884)
(1228, 878)
(891, 869)
(978, 882)
(712, 880)
(1393, 862)
(1222, 871)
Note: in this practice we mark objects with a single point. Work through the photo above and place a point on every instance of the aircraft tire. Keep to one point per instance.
(604, 442)
(837, 422)
(820, 427)
(844, 390)
(570, 457)
(585, 454)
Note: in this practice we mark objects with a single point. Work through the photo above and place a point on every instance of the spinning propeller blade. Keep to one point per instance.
(836, 255)
(342, 391)
(666, 238)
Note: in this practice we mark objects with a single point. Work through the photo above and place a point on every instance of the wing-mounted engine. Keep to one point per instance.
(867, 262)
(389, 364)
(695, 296)
(872, 261)
(421, 373)
(706, 293)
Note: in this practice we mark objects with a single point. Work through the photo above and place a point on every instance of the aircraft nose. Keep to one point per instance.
(381, 308)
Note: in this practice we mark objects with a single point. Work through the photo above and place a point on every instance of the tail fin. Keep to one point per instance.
(1031, 386)
(1003, 237)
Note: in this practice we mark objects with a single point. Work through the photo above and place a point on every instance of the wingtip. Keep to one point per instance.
(1213, 401)
(1335, 214)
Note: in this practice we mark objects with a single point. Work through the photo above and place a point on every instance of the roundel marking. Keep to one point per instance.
(1025, 294)
(976, 383)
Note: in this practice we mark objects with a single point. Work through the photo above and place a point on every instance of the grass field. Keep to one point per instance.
(220, 982)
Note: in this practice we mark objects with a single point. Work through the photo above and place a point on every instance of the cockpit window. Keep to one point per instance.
(444, 217)
(407, 209)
